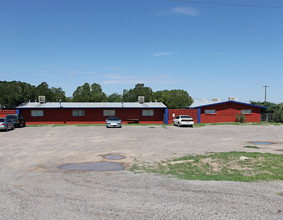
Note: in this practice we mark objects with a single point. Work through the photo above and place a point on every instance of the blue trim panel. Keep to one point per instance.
(17, 111)
(166, 116)
(199, 111)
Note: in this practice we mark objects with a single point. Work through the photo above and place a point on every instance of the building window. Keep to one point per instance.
(108, 112)
(147, 112)
(37, 113)
(78, 113)
(246, 111)
(210, 111)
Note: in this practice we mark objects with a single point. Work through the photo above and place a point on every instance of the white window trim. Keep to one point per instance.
(147, 112)
(37, 113)
(246, 111)
(78, 113)
(109, 112)
(209, 111)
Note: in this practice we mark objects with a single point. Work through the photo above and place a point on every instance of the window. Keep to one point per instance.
(36, 113)
(246, 111)
(210, 111)
(108, 112)
(78, 113)
(147, 112)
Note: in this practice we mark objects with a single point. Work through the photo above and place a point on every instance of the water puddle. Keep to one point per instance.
(262, 143)
(113, 157)
(95, 166)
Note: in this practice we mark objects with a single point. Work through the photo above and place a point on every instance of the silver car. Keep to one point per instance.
(6, 124)
(113, 122)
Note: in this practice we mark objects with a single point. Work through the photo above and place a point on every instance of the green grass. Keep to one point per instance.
(237, 123)
(225, 166)
(254, 147)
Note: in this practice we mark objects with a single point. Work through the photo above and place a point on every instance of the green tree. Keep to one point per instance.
(43, 90)
(14, 93)
(87, 93)
(278, 113)
(139, 90)
(174, 99)
(58, 94)
(114, 97)
(82, 94)
(97, 94)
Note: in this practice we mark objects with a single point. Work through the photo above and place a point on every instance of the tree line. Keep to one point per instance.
(15, 93)
(275, 109)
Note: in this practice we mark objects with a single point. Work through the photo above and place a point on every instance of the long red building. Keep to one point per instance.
(91, 112)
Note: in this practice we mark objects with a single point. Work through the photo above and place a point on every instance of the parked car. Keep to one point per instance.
(17, 119)
(113, 122)
(183, 120)
(6, 124)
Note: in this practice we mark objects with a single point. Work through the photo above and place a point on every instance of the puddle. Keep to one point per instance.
(259, 142)
(96, 166)
(113, 157)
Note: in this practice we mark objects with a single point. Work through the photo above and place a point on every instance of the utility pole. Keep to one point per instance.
(265, 92)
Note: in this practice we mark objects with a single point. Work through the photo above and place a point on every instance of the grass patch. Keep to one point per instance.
(254, 147)
(225, 166)
(237, 123)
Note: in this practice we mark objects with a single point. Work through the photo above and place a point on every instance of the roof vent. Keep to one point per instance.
(215, 99)
(41, 99)
(203, 100)
(232, 98)
(141, 99)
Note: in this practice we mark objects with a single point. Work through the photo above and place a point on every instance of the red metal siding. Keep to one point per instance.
(91, 115)
(3, 113)
(226, 112)
(191, 112)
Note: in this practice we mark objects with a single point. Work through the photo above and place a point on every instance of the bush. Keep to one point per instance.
(241, 118)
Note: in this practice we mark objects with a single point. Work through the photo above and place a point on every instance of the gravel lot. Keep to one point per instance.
(33, 187)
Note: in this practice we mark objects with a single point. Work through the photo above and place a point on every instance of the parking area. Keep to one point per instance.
(32, 185)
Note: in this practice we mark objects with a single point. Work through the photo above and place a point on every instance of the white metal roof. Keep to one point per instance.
(92, 105)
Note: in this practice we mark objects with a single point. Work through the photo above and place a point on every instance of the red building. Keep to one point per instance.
(226, 111)
(91, 112)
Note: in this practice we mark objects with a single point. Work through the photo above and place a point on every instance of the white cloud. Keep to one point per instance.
(80, 72)
(113, 68)
(162, 54)
(121, 81)
(185, 11)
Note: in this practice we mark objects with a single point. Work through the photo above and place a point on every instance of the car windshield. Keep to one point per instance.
(113, 119)
(12, 116)
(185, 116)
(2, 119)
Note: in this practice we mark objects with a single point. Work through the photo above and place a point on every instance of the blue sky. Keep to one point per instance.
(207, 50)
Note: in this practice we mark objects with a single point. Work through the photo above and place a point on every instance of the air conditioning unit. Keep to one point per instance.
(215, 99)
(203, 100)
(232, 98)
(41, 99)
(141, 99)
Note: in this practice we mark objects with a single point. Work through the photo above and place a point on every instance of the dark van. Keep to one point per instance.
(17, 119)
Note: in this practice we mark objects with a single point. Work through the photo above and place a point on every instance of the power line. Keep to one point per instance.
(228, 4)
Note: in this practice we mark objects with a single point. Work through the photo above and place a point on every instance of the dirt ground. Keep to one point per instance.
(33, 187)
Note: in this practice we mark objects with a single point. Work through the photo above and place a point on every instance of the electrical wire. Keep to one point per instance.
(227, 4)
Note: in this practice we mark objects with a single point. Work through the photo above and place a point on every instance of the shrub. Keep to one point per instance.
(241, 118)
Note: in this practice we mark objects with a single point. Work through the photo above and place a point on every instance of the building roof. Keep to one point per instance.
(92, 105)
(207, 103)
